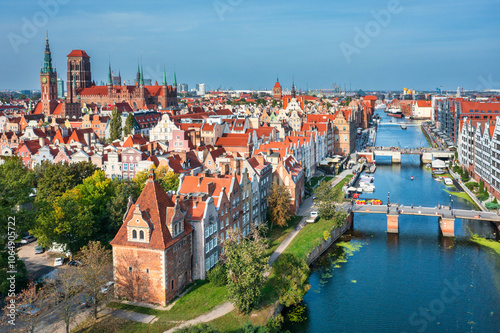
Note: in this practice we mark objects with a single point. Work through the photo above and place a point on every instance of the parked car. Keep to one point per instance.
(28, 239)
(39, 249)
(59, 261)
(28, 309)
(87, 302)
(107, 287)
(74, 263)
(313, 217)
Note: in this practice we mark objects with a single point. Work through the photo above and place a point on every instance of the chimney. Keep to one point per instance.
(210, 188)
(41, 141)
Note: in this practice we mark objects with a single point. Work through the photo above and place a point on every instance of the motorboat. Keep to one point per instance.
(403, 126)
(395, 112)
(448, 181)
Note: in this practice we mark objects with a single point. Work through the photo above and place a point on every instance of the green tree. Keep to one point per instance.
(170, 182)
(278, 201)
(115, 125)
(168, 179)
(67, 221)
(200, 328)
(327, 198)
(16, 183)
(291, 279)
(129, 125)
(246, 261)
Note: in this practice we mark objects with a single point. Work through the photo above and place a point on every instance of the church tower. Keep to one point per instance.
(48, 82)
(277, 90)
(79, 75)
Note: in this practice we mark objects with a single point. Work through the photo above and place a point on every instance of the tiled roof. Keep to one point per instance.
(78, 53)
(159, 209)
(233, 140)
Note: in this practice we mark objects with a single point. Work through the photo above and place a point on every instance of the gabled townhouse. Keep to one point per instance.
(63, 156)
(28, 149)
(210, 162)
(183, 163)
(135, 140)
(130, 158)
(153, 249)
(163, 129)
(260, 170)
(246, 201)
(237, 144)
(466, 146)
(226, 194)
(181, 141)
(204, 218)
(9, 142)
(290, 173)
(31, 120)
(12, 124)
(210, 132)
(45, 153)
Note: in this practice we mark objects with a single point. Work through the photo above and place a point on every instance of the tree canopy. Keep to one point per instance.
(246, 261)
(115, 125)
(129, 125)
(278, 201)
(327, 198)
(291, 279)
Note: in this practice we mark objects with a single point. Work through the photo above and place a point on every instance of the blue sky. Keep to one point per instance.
(244, 44)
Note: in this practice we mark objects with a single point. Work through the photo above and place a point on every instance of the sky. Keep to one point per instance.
(247, 44)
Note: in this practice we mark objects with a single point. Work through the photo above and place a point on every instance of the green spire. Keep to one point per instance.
(110, 80)
(164, 76)
(141, 81)
(277, 78)
(47, 60)
(175, 80)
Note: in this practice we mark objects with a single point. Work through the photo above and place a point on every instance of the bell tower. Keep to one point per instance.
(48, 82)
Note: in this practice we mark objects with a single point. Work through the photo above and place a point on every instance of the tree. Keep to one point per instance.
(115, 125)
(67, 221)
(16, 183)
(327, 198)
(129, 125)
(246, 262)
(65, 293)
(278, 201)
(200, 328)
(168, 179)
(97, 272)
(291, 279)
(31, 305)
(170, 182)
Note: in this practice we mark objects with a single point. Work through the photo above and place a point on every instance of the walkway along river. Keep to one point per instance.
(414, 281)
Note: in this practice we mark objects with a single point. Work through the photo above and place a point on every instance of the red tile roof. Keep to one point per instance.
(233, 140)
(159, 209)
(78, 53)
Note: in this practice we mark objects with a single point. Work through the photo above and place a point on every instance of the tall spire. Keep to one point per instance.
(164, 76)
(141, 81)
(138, 77)
(110, 79)
(47, 61)
(293, 87)
(277, 78)
(175, 80)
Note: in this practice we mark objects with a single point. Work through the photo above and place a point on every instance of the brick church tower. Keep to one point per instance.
(277, 90)
(48, 82)
(79, 75)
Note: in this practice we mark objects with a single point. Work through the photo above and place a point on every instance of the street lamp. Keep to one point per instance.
(450, 202)
(388, 198)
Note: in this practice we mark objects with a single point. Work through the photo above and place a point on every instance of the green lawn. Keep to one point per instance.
(463, 195)
(277, 235)
(202, 298)
(494, 245)
(315, 180)
(308, 238)
(341, 183)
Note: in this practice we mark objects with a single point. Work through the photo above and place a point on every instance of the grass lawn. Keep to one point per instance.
(329, 178)
(110, 324)
(315, 180)
(341, 183)
(465, 196)
(202, 298)
(277, 235)
(308, 238)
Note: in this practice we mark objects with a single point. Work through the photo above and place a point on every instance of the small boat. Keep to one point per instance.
(403, 126)
(411, 177)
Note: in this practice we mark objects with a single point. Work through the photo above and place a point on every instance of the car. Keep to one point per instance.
(107, 286)
(313, 217)
(87, 302)
(59, 261)
(74, 263)
(39, 249)
(28, 239)
(28, 309)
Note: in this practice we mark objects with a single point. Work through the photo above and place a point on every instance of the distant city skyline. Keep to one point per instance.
(369, 45)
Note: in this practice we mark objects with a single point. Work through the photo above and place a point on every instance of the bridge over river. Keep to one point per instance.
(427, 154)
(445, 214)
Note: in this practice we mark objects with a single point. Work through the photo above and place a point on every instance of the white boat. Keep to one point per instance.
(367, 187)
(448, 181)
(367, 179)
(359, 190)
(403, 126)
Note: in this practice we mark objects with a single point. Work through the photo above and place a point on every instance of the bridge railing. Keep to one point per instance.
(471, 195)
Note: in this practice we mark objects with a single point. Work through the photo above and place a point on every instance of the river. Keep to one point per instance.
(414, 281)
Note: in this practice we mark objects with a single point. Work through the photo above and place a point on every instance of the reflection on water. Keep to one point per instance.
(373, 281)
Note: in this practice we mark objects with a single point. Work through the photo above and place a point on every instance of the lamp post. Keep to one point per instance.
(388, 202)
(450, 202)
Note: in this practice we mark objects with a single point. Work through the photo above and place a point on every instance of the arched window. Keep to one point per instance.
(141, 234)
(134, 234)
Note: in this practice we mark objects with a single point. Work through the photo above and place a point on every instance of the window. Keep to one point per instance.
(207, 264)
(206, 233)
(227, 221)
(147, 270)
(172, 284)
(131, 167)
(130, 269)
(134, 234)
(207, 248)
(141, 235)
(221, 224)
(125, 167)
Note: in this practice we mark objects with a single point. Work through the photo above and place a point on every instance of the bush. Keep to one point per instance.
(495, 201)
(483, 196)
(200, 328)
(218, 275)
(471, 185)
(492, 205)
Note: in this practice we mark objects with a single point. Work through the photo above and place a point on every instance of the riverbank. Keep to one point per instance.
(494, 245)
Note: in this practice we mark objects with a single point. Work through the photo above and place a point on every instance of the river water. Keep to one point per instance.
(414, 281)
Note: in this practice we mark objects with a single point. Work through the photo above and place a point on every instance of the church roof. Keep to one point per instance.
(78, 53)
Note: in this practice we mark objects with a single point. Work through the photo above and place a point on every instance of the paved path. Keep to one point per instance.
(134, 316)
(217, 312)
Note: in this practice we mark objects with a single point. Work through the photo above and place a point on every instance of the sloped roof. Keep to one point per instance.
(78, 53)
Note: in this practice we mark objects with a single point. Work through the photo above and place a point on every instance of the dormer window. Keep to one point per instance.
(134, 234)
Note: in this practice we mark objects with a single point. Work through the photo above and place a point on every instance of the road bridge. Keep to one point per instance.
(427, 155)
(445, 214)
